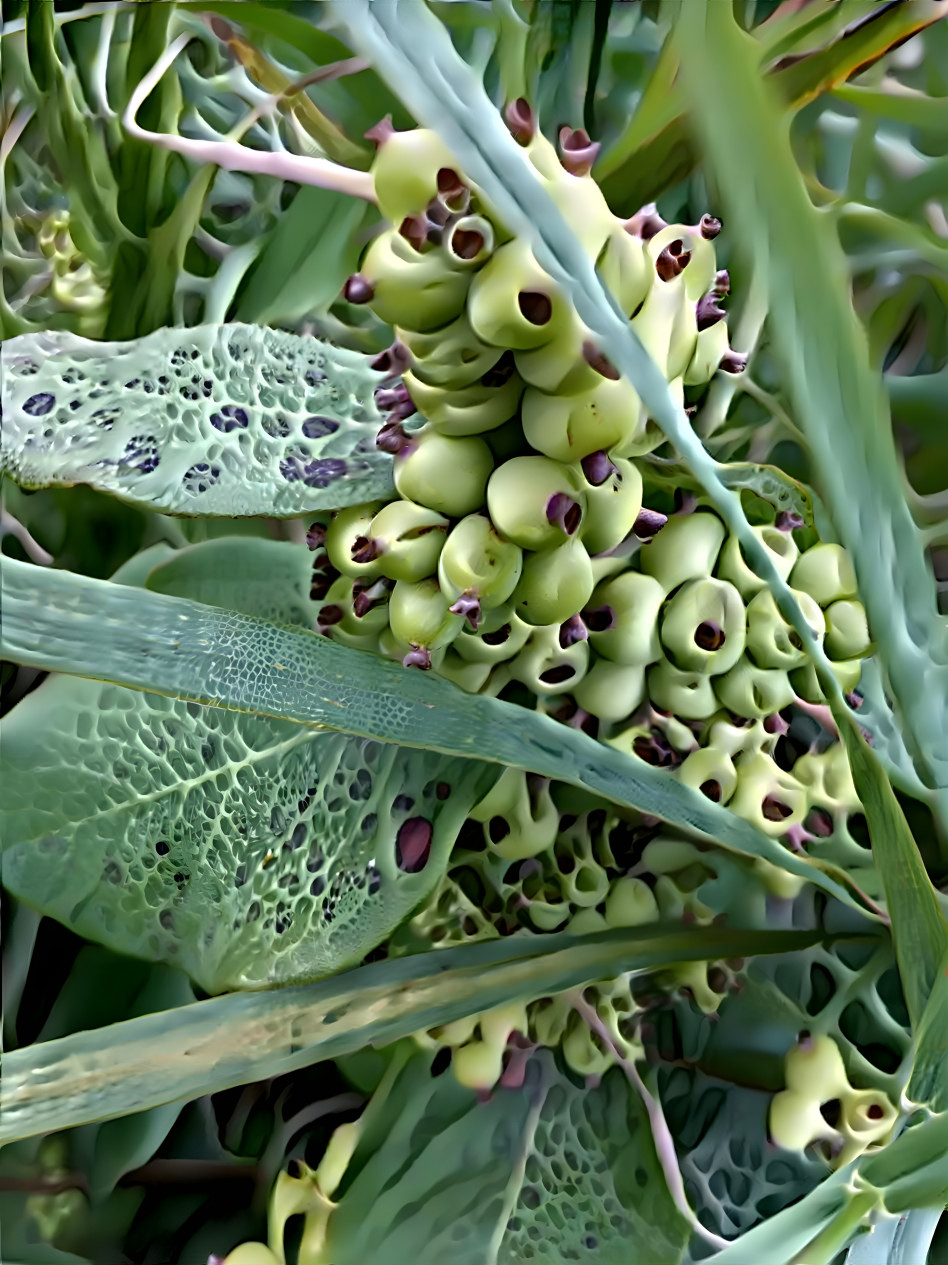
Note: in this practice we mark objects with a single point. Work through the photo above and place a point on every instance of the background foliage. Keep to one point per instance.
(108, 237)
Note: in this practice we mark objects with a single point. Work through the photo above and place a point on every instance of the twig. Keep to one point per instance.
(232, 156)
(661, 1134)
(10, 526)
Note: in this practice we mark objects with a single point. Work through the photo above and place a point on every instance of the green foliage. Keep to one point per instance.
(524, 963)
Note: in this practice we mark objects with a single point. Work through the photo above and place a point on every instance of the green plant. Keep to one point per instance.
(510, 732)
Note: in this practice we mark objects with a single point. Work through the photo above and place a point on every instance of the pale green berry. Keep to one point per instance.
(769, 798)
(711, 772)
(625, 268)
(469, 410)
(847, 633)
(554, 585)
(622, 617)
(546, 666)
(519, 816)
(499, 636)
(408, 287)
(754, 692)
(687, 694)
(630, 903)
(826, 573)
(478, 570)
(449, 357)
(513, 303)
(346, 527)
(570, 427)
(686, 548)
(613, 488)
(611, 691)
(781, 548)
(535, 502)
(407, 539)
(702, 626)
(419, 615)
(405, 171)
(444, 472)
(771, 641)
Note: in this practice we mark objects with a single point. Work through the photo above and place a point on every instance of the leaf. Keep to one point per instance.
(67, 623)
(239, 1037)
(837, 397)
(919, 929)
(778, 1239)
(127, 816)
(231, 420)
(770, 483)
(929, 1083)
(449, 1178)
(911, 1171)
(305, 261)
(657, 150)
(901, 1240)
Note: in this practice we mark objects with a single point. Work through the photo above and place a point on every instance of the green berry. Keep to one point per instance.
(499, 636)
(469, 677)
(449, 357)
(478, 569)
(408, 287)
(546, 666)
(406, 538)
(826, 573)
(814, 1066)
(686, 548)
(806, 684)
(554, 585)
(519, 817)
(419, 616)
(611, 691)
(711, 772)
(711, 346)
(570, 427)
(625, 269)
(630, 903)
(535, 502)
(766, 796)
(687, 694)
(781, 547)
(847, 633)
(468, 242)
(346, 527)
(468, 410)
(444, 472)
(753, 692)
(771, 641)
(703, 627)
(622, 617)
(513, 303)
(405, 171)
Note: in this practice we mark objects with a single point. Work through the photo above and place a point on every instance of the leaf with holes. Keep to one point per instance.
(243, 849)
(542, 1171)
(149, 641)
(232, 420)
(231, 1040)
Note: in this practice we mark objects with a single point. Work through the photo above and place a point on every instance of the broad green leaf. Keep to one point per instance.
(305, 261)
(168, 645)
(919, 929)
(801, 61)
(245, 850)
(228, 420)
(837, 397)
(230, 1040)
(128, 816)
(502, 1182)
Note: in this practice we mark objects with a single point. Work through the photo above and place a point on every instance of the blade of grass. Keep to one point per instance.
(168, 645)
(225, 1041)
(837, 398)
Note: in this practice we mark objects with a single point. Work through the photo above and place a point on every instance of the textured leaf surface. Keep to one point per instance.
(243, 849)
(545, 1172)
(218, 420)
(168, 645)
(241, 1037)
(837, 398)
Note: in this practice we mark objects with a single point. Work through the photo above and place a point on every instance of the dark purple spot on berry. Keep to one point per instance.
(709, 636)
(535, 307)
